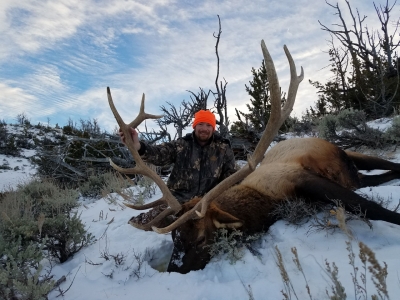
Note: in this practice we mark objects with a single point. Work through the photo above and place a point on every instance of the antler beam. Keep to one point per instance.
(141, 168)
(277, 117)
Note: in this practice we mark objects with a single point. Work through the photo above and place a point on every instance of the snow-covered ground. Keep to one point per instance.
(14, 171)
(134, 255)
(21, 170)
(90, 274)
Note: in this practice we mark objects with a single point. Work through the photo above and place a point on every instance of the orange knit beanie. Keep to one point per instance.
(204, 116)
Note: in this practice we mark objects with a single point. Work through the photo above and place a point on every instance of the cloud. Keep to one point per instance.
(36, 24)
(12, 108)
(59, 56)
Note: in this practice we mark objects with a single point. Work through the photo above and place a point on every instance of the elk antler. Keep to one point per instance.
(141, 167)
(276, 119)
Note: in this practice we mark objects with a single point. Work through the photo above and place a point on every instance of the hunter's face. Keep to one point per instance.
(203, 132)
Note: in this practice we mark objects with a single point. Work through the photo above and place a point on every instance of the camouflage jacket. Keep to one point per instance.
(196, 169)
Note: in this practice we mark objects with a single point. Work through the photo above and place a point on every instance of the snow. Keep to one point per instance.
(90, 276)
(381, 124)
(21, 170)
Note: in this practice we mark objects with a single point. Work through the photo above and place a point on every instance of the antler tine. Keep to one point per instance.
(156, 220)
(206, 200)
(141, 167)
(143, 115)
(142, 206)
(293, 86)
(277, 117)
(138, 120)
(275, 121)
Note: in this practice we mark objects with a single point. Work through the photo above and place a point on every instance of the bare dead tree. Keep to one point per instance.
(164, 134)
(201, 98)
(340, 61)
(389, 44)
(333, 95)
(72, 160)
(220, 102)
(181, 117)
(90, 126)
(362, 42)
(153, 137)
(372, 54)
(244, 125)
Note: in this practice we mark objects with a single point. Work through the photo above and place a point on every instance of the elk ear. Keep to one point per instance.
(222, 219)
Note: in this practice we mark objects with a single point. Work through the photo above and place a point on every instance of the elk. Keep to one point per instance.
(300, 168)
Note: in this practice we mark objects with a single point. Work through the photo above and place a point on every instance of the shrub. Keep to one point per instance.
(134, 191)
(352, 119)
(8, 146)
(41, 212)
(23, 119)
(232, 243)
(65, 236)
(328, 127)
(349, 129)
(68, 129)
(303, 126)
(367, 257)
(20, 271)
(393, 132)
(142, 189)
(3, 134)
(102, 184)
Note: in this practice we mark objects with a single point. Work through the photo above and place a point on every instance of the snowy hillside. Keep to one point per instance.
(123, 263)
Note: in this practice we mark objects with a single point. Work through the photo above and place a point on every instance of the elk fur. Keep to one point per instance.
(282, 171)
(307, 168)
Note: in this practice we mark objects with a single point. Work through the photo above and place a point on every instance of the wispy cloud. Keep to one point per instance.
(59, 56)
(34, 25)
(9, 94)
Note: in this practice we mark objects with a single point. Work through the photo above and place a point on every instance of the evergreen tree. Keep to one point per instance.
(259, 107)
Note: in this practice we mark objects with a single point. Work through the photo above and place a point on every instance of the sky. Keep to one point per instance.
(58, 57)
(89, 276)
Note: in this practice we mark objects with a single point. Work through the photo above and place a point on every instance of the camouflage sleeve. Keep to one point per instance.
(229, 166)
(159, 155)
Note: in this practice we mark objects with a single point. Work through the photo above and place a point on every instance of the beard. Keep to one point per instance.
(203, 136)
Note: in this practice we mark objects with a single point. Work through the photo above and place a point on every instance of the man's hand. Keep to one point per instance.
(134, 136)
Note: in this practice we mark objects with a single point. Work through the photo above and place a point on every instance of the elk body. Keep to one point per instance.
(311, 169)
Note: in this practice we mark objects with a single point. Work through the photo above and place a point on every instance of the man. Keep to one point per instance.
(201, 160)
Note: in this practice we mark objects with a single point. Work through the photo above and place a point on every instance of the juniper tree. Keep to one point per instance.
(260, 104)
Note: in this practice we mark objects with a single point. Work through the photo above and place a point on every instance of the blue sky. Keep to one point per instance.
(58, 57)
